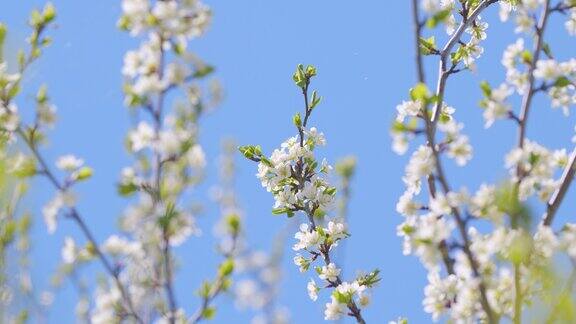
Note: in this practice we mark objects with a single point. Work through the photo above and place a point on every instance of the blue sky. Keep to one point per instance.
(364, 55)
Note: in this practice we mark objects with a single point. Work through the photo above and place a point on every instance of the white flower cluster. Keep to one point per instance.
(560, 78)
(171, 24)
(444, 12)
(537, 167)
(276, 175)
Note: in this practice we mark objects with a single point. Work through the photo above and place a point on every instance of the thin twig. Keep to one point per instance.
(558, 195)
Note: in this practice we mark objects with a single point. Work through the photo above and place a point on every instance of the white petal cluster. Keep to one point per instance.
(511, 60)
(53, 207)
(308, 239)
(496, 106)
(69, 163)
(538, 166)
(276, 175)
(344, 293)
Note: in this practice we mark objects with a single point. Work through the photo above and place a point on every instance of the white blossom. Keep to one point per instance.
(307, 237)
(69, 163)
(329, 272)
(69, 251)
(313, 290)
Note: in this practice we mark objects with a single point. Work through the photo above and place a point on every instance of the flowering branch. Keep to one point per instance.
(443, 75)
(295, 178)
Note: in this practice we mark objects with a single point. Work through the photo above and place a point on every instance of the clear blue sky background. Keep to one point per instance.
(364, 54)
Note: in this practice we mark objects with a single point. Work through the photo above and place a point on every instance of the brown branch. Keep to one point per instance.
(558, 195)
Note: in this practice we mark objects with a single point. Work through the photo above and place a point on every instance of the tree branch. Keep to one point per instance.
(558, 195)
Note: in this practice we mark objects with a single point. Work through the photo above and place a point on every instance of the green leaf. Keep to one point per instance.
(251, 152)
(526, 56)
(330, 191)
(169, 214)
(428, 46)
(315, 100)
(42, 96)
(420, 92)
(226, 268)
(310, 71)
(297, 120)
(205, 289)
(438, 17)
(280, 211)
(49, 12)
(36, 18)
(459, 54)
(299, 76)
(340, 297)
(14, 90)
(26, 168)
(83, 173)
(7, 232)
(209, 312)
(21, 59)
(127, 189)
(486, 89)
(562, 82)
(233, 223)
(3, 31)
(203, 71)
